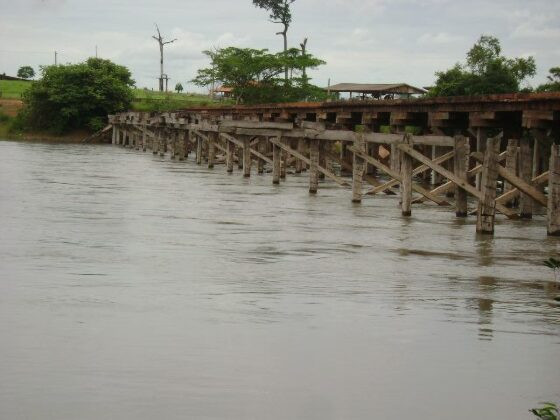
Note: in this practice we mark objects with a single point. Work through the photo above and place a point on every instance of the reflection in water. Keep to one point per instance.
(134, 287)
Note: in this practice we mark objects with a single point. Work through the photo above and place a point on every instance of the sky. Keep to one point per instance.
(362, 41)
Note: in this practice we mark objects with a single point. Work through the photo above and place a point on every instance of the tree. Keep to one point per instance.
(161, 43)
(280, 12)
(486, 71)
(77, 96)
(553, 84)
(26, 72)
(179, 87)
(254, 74)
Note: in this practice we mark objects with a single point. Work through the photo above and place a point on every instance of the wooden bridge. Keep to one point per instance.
(500, 149)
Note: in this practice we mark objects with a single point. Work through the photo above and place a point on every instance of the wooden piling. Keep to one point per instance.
(406, 183)
(276, 156)
(299, 163)
(511, 161)
(525, 173)
(198, 150)
(246, 156)
(461, 162)
(229, 156)
(553, 210)
(284, 163)
(481, 138)
(260, 162)
(144, 138)
(314, 163)
(211, 149)
(358, 168)
(488, 180)
(239, 157)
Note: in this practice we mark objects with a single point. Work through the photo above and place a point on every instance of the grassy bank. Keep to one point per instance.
(148, 100)
(13, 89)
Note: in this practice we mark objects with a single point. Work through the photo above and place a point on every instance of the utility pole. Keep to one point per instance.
(161, 43)
(303, 46)
(96, 51)
(55, 58)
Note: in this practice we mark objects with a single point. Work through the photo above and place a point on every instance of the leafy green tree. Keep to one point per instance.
(280, 12)
(26, 72)
(254, 74)
(553, 84)
(486, 71)
(77, 96)
(178, 87)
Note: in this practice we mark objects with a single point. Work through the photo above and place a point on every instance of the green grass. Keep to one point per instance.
(13, 89)
(148, 100)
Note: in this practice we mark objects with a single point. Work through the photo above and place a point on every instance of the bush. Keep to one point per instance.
(77, 96)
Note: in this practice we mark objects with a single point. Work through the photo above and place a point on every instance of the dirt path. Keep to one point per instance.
(10, 107)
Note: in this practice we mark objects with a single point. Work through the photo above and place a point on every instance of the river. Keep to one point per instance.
(135, 287)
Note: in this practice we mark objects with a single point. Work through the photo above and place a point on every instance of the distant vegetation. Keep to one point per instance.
(256, 75)
(76, 96)
(553, 84)
(148, 100)
(26, 72)
(486, 71)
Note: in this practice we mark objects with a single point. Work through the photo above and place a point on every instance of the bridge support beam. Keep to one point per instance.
(488, 180)
(553, 212)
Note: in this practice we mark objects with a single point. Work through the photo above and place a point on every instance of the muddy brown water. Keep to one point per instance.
(133, 287)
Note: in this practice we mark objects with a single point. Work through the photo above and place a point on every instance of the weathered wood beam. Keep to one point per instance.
(416, 171)
(242, 145)
(449, 175)
(398, 177)
(298, 155)
(517, 182)
(487, 203)
(553, 211)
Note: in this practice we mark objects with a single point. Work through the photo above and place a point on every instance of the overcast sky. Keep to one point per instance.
(376, 41)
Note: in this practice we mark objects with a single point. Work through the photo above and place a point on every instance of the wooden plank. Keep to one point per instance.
(517, 182)
(449, 185)
(460, 166)
(358, 168)
(487, 204)
(514, 193)
(313, 166)
(298, 155)
(397, 176)
(257, 125)
(449, 175)
(406, 184)
(553, 211)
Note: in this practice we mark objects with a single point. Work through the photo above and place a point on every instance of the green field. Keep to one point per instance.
(149, 100)
(144, 100)
(13, 89)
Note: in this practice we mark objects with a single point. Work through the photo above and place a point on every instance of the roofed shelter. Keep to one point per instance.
(378, 90)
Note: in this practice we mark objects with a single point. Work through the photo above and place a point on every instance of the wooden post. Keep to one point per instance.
(461, 163)
(553, 211)
(314, 163)
(239, 157)
(211, 149)
(299, 163)
(284, 162)
(144, 139)
(511, 161)
(260, 162)
(276, 157)
(229, 156)
(114, 138)
(181, 144)
(406, 184)
(198, 150)
(525, 173)
(246, 156)
(488, 181)
(155, 142)
(162, 142)
(358, 168)
(481, 138)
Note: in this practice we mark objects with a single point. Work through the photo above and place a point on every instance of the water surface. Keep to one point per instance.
(133, 287)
